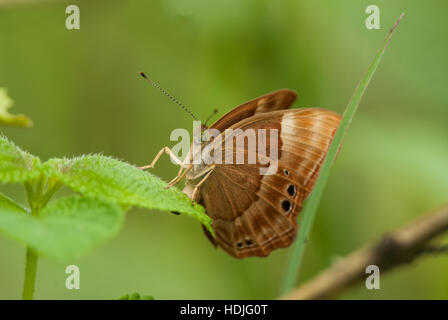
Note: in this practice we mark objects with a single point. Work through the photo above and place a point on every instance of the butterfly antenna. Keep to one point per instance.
(154, 84)
(215, 111)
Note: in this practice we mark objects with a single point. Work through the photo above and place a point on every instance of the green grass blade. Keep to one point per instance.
(312, 203)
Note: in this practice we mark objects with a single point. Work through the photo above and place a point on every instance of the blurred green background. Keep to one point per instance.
(83, 93)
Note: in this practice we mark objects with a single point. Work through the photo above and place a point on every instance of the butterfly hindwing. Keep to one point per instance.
(254, 214)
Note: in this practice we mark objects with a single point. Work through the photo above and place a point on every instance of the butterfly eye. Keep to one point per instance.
(292, 190)
(286, 205)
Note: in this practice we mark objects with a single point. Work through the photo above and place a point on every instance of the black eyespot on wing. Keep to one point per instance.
(239, 245)
(292, 190)
(286, 172)
(286, 205)
(249, 242)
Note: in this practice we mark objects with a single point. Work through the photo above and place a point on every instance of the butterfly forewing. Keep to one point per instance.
(277, 100)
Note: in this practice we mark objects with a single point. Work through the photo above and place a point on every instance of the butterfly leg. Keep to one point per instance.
(167, 151)
(174, 180)
(196, 188)
(180, 176)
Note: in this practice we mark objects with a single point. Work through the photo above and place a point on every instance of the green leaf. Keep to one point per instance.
(135, 296)
(107, 178)
(65, 229)
(16, 165)
(7, 118)
(311, 205)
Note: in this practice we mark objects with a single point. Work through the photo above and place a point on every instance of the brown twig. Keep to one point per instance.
(392, 250)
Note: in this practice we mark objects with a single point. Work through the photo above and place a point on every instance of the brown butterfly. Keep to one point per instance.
(254, 214)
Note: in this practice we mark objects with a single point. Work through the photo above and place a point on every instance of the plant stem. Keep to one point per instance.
(29, 194)
(51, 190)
(30, 275)
(312, 203)
(31, 257)
(37, 200)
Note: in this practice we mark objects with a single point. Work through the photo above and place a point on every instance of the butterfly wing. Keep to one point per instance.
(254, 214)
(277, 100)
